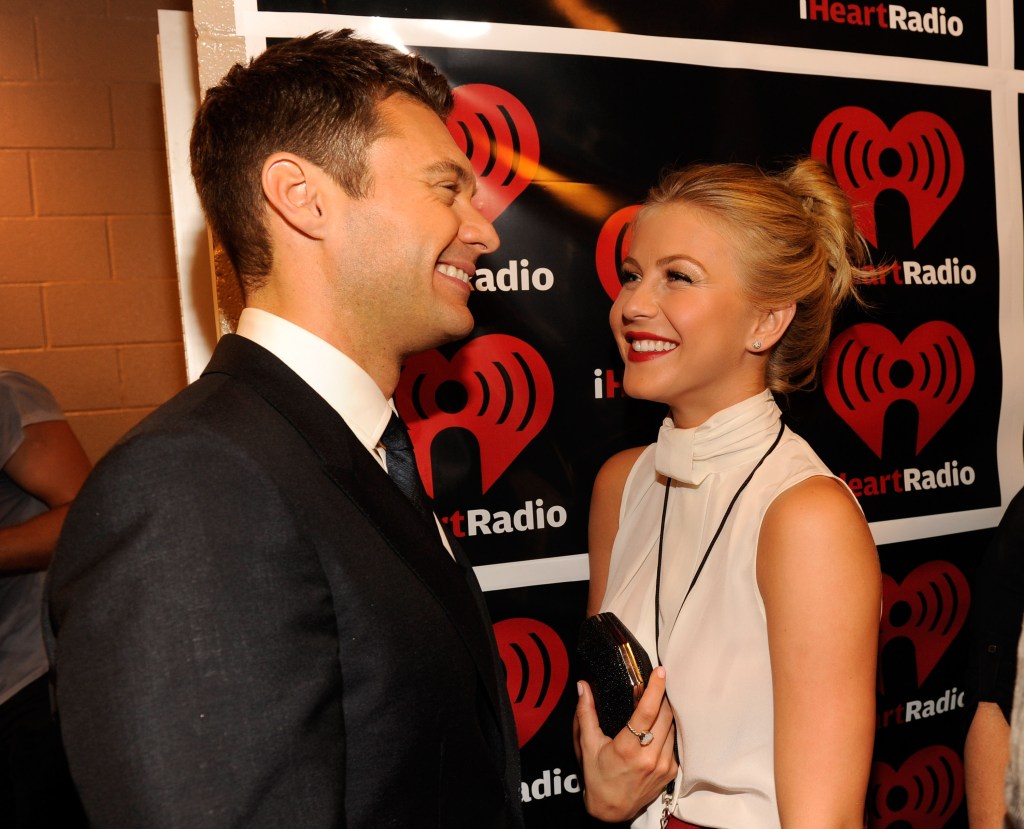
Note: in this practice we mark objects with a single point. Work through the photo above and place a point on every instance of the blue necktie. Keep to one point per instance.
(401, 461)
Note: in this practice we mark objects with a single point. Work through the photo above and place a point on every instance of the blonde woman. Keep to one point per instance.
(740, 562)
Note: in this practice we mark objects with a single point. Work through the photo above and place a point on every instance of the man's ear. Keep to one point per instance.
(291, 186)
(771, 325)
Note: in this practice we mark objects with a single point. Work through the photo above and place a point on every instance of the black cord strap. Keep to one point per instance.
(703, 561)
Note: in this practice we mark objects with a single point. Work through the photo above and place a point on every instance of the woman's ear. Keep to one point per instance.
(771, 325)
(290, 184)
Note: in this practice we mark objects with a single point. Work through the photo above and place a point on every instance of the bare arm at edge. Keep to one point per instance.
(51, 465)
(986, 758)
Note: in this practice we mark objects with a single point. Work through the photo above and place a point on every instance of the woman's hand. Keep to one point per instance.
(620, 776)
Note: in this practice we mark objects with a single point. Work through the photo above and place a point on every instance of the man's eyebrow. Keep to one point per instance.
(449, 167)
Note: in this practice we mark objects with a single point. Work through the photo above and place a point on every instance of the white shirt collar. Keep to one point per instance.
(338, 379)
(732, 436)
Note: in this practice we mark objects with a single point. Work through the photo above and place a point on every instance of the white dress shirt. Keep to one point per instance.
(338, 379)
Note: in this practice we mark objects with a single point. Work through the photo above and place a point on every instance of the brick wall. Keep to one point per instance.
(88, 293)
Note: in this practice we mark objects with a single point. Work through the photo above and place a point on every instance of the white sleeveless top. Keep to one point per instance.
(715, 648)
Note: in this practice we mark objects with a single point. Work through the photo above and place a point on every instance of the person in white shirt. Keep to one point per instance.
(42, 466)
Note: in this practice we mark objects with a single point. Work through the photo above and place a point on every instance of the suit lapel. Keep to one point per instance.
(347, 463)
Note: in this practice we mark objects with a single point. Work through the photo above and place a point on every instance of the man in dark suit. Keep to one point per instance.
(252, 624)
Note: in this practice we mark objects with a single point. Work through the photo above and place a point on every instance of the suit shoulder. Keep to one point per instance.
(215, 410)
(204, 433)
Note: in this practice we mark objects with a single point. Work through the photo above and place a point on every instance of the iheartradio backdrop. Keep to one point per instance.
(568, 111)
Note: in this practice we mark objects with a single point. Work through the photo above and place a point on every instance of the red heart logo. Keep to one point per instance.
(498, 136)
(613, 246)
(923, 160)
(929, 607)
(536, 669)
(867, 369)
(508, 393)
(923, 793)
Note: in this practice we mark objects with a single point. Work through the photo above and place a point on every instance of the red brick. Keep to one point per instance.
(138, 116)
(95, 313)
(98, 48)
(21, 317)
(142, 247)
(88, 295)
(100, 182)
(67, 8)
(15, 185)
(55, 115)
(151, 374)
(17, 46)
(80, 378)
(43, 250)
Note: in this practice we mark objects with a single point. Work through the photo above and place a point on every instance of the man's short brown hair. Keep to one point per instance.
(314, 96)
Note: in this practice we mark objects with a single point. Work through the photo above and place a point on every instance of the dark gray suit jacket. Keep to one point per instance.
(253, 627)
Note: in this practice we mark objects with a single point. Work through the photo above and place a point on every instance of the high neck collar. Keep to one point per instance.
(726, 439)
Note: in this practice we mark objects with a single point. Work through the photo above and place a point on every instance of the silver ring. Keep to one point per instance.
(644, 737)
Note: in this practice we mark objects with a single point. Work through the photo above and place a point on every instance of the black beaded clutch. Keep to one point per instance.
(616, 666)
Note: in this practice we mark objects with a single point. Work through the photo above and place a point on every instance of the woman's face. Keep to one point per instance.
(682, 323)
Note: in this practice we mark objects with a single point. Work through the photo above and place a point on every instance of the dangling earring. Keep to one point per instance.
(757, 345)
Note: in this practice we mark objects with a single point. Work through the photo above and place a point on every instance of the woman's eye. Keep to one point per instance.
(678, 276)
(628, 276)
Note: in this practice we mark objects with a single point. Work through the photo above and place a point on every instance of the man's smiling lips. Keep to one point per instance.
(455, 272)
(648, 346)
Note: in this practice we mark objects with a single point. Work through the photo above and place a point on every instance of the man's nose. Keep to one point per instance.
(477, 231)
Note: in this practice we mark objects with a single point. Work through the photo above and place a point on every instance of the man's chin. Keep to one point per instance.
(457, 327)
(461, 325)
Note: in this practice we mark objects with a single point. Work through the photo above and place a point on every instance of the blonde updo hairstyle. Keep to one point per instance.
(796, 242)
